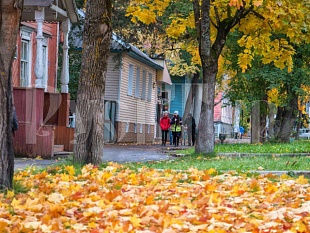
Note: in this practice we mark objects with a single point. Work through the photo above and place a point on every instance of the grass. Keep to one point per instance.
(259, 157)
(223, 163)
(296, 147)
(255, 159)
(301, 146)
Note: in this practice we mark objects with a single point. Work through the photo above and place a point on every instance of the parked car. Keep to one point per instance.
(304, 133)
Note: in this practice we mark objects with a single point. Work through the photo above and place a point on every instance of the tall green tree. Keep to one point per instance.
(214, 20)
(10, 16)
(90, 98)
(271, 87)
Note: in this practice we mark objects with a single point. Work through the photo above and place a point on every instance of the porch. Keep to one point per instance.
(43, 125)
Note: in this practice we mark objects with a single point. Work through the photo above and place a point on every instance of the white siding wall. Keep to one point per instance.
(112, 81)
(226, 116)
(132, 109)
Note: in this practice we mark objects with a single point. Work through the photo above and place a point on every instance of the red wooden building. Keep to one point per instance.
(43, 112)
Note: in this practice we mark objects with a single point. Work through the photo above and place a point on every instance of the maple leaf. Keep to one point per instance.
(10, 193)
(159, 203)
(135, 221)
(56, 197)
(32, 224)
(70, 170)
(302, 180)
(3, 224)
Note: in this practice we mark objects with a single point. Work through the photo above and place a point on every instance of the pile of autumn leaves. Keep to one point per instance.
(115, 199)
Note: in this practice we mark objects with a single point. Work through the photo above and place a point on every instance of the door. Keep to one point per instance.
(109, 121)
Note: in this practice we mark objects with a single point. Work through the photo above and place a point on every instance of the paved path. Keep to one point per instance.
(134, 153)
(120, 153)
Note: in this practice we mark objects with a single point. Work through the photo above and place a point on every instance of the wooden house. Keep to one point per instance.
(41, 110)
(133, 87)
(178, 93)
(223, 116)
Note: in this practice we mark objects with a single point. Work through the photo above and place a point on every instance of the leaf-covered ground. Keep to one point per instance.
(117, 200)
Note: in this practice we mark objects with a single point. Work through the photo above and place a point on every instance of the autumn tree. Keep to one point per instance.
(259, 21)
(90, 98)
(10, 16)
(276, 91)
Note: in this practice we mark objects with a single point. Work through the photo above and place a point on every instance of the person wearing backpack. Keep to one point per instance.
(176, 123)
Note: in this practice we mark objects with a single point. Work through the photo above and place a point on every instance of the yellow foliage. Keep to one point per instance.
(155, 201)
(271, 18)
(10, 193)
(273, 97)
(302, 180)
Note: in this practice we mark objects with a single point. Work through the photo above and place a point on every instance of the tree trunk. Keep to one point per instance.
(271, 112)
(205, 137)
(299, 122)
(255, 125)
(10, 13)
(209, 55)
(90, 97)
(285, 119)
(191, 96)
(209, 59)
(263, 116)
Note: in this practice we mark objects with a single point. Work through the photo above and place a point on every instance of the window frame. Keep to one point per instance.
(137, 88)
(150, 87)
(130, 79)
(25, 62)
(143, 91)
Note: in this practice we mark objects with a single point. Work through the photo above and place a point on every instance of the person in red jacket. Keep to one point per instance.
(164, 126)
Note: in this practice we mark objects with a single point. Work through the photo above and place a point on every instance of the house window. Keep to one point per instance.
(143, 85)
(127, 127)
(137, 94)
(24, 63)
(148, 129)
(130, 79)
(149, 88)
(141, 128)
(135, 128)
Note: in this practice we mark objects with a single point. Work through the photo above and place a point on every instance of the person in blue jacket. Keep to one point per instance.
(241, 130)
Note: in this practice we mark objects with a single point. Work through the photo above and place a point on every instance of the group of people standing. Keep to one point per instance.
(175, 126)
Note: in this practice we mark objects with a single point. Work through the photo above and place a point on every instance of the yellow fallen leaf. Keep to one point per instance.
(92, 225)
(33, 225)
(135, 221)
(70, 170)
(302, 180)
(10, 193)
(55, 197)
(46, 229)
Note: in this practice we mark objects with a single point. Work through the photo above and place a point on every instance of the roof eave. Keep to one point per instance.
(72, 11)
(145, 61)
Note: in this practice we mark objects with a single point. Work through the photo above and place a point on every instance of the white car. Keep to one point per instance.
(304, 133)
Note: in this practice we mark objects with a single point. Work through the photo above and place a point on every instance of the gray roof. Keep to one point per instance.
(117, 45)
